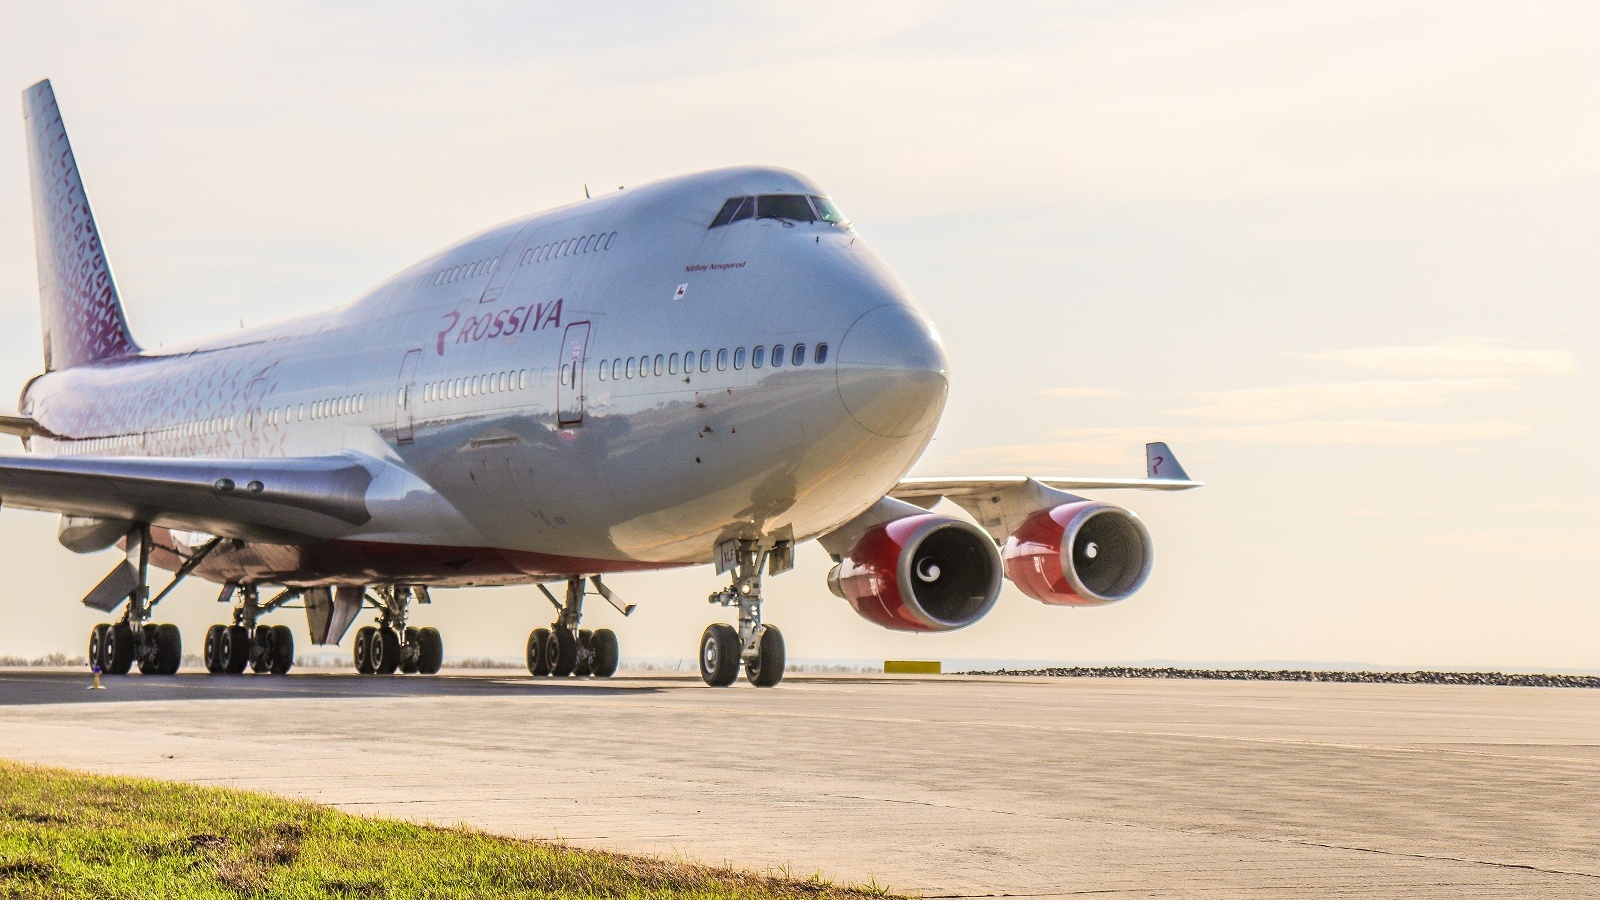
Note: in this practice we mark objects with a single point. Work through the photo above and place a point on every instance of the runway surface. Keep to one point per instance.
(949, 786)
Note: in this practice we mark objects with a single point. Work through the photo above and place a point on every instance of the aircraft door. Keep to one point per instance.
(569, 378)
(405, 400)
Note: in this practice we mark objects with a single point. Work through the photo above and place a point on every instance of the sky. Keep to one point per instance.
(1342, 257)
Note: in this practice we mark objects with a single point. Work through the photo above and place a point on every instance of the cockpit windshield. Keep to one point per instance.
(789, 207)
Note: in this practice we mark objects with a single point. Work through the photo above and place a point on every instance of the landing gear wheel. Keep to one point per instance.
(213, 644)
(235, 649)
(282, 650)
(605, 653)
(430, 651)
(538, 651)
(766, 669)
(163, 650)
(383, 652)
(120, 649)
(99, 641)
(719, 655)
(363, 643)
(408, 653)
(585, 664)
(563, 652)
(261, 650)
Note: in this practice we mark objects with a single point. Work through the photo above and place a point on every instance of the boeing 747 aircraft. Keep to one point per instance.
(706, 369)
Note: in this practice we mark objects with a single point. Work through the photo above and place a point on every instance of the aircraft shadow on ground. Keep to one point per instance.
(24, 688)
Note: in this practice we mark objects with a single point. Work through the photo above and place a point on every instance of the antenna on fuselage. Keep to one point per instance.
(586, 192)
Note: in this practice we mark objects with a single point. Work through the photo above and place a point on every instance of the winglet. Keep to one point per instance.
(1161, 464)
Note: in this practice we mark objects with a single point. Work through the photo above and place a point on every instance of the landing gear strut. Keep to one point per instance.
(759, 647)
(264, 649)
(158, 649)
(393, 646)
(565, 649)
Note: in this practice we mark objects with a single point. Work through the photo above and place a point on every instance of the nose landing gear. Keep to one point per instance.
(758, 646)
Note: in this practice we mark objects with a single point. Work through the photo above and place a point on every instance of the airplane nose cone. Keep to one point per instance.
(891, 371)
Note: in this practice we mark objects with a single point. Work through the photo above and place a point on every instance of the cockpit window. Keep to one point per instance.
(794, 207)
(828, 211)
(784, 206)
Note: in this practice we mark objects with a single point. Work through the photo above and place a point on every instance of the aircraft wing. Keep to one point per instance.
(1164, 473)
(294, 500)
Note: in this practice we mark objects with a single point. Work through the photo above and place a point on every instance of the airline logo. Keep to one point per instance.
(514, 320)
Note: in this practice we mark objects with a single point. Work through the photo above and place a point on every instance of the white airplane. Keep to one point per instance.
(707, 369)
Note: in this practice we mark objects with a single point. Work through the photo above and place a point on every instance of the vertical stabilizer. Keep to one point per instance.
(78, 303)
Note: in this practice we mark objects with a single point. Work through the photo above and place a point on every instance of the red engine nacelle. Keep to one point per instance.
(1079, 554)
(920, 573)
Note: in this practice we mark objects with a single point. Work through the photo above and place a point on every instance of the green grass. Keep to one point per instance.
(67, 834)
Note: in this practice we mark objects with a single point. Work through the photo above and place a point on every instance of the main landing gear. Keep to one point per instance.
(759, 647)
(565, 649)
(114, 648)
(264, 649)
(392, 646)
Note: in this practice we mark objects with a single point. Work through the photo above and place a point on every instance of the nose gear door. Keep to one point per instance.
(569, 380)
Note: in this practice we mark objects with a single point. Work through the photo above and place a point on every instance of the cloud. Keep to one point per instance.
(1299, 400)
(1455, 358)
(1082, 392)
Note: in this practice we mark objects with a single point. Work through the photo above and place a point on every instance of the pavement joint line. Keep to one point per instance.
(1429, 856)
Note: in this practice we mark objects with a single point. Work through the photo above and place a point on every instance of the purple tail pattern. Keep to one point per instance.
(78, 303)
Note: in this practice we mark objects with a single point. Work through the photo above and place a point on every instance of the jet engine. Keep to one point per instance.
(920, 573)
(1079, 554)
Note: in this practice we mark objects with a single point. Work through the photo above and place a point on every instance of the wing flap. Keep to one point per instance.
(281, 500)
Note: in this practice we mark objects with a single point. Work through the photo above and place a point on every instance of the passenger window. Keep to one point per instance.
(705, 360)
(522, 378)
(616, 368)
(722, 360)
(609, 238)
(820, 356)
(603, 370)
(631, 362)
(758, 356)
(738, 358)
(798, 358)
(777, 356)
(672, 364)
(784, 206)
(661, 363)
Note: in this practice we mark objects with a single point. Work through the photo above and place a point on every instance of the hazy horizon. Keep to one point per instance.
(1342, 258)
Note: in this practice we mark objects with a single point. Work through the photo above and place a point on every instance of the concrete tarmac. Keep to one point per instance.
(948, 786)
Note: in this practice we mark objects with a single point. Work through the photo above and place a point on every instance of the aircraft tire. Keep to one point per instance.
(430, 651)
(585, 663)
(766, 670)
(606, 653)
(282, 650)
(363, 646)
(719, 655)
(235, 649)
(99, 643)
(408, 660)
(119, 652)
(563, 652)
(261, 650)
(384, 652)
(169, 649)
(538, 652)
(213, 643)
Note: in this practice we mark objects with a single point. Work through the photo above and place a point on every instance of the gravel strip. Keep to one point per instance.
(1498, 678)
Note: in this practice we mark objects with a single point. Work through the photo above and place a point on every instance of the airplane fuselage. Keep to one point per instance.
(593, 389)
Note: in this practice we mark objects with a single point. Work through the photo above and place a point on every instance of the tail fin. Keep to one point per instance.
(78, 303)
